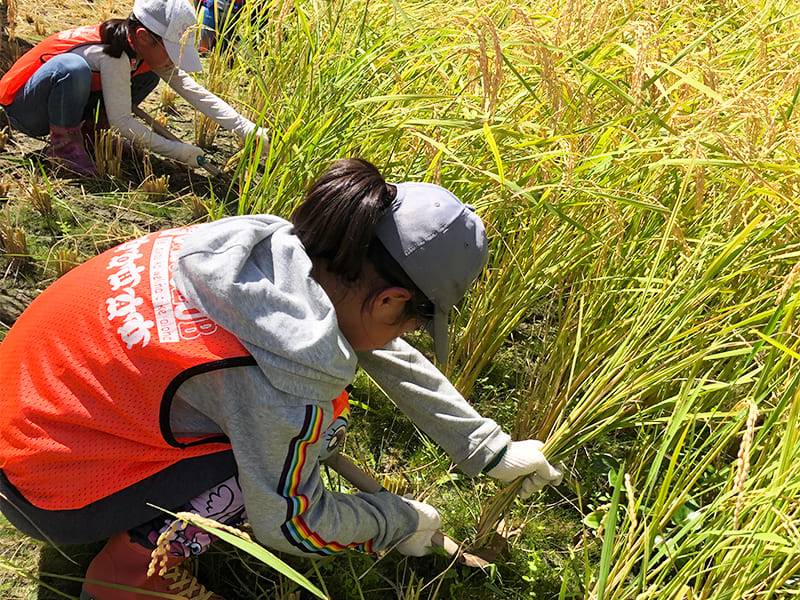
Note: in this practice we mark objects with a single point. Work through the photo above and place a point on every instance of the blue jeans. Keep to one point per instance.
(59, 93)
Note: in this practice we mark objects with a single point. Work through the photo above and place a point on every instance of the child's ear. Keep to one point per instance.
(143, 37)
(389, 304)
(394, 294)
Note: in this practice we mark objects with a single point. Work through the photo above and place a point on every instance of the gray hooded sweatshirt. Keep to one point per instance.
(252, 276)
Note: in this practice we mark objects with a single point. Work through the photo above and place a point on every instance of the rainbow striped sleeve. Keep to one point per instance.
(295, 529)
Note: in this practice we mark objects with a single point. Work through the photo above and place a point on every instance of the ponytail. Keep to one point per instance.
(114, 33)
(336, 221)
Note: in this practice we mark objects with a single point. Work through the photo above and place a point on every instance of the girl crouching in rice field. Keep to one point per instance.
(90, 77)
(204, 369)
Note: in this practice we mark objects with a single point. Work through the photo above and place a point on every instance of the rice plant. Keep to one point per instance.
(218, 81)
(65, 259)
(636, 165)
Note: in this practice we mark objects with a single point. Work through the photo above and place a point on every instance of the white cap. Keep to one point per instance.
(172, 21)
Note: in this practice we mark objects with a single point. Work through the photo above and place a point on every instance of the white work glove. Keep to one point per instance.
(419, 542)
(263, 133)
(526, 458)
(191, 155)
(256, 133)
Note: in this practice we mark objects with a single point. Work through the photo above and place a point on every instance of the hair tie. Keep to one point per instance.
(389, 194)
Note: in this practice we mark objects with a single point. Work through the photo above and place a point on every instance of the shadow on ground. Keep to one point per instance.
(60, 575)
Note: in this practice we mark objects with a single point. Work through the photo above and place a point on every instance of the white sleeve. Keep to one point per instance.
(115, 77)
(207, 103)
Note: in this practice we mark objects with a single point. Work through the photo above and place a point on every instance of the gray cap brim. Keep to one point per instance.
(439, 330)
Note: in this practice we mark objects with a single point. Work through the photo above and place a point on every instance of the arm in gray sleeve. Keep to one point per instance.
(422, 392)
(276, 440)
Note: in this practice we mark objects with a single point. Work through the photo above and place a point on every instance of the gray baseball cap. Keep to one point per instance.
(440, 243)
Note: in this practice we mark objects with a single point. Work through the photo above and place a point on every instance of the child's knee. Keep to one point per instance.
(72, 68)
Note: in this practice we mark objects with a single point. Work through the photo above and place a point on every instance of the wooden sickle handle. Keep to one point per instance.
(166, 133)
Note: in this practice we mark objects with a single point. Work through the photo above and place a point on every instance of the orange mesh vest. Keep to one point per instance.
(58, 43)
(88, 374)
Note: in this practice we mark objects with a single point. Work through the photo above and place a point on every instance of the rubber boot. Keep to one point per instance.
(123, 562)
(67, 150)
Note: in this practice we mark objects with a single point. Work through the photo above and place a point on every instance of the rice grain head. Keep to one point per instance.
(743, 461)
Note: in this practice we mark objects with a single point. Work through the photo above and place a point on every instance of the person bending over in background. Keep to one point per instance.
(202, 369)
(94, 75)
(219, 18)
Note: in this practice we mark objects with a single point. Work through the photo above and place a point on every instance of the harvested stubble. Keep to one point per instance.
(196, 205)
(65, 259)
(156, 187)
(167, 101)
(14, 243)
(108, 150)
(40, 194)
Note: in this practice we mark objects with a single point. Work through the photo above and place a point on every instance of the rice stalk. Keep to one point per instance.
(218, 81)
(743, 461)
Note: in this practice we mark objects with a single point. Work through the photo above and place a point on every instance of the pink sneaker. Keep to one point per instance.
(124, 563)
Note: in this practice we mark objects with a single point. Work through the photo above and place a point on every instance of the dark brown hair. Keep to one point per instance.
(336, 221)
(115, 34)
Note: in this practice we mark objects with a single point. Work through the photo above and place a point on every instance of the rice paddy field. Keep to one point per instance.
(636, 164)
